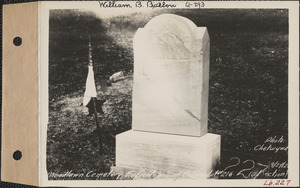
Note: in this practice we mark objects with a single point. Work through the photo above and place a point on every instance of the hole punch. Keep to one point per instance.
(17, 41)
(17, 155)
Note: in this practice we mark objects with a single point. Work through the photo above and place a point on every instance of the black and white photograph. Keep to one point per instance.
(168, 94)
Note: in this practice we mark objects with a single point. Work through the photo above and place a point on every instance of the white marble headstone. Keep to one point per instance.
(171, 74)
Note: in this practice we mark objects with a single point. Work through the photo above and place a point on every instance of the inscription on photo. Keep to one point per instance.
(253, 168)
(274, 144)
(250, 169)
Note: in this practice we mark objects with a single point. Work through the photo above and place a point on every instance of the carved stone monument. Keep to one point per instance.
(170, 100)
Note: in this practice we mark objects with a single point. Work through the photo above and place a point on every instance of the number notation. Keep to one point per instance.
(249, 169)
(277, 182)
(194, 4)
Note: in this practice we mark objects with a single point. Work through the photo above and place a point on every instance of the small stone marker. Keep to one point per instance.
(171, 73)
(170, 102)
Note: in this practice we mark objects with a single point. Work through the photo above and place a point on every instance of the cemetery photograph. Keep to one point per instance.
(168, 94)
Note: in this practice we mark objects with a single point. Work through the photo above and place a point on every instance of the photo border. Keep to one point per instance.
(293, 94)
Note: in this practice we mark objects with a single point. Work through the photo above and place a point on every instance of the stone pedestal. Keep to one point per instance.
(170, 101)
(173, 155)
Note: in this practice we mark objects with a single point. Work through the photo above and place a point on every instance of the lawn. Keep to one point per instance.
(248, 86)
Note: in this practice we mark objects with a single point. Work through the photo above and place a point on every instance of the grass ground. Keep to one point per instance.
(247, 93)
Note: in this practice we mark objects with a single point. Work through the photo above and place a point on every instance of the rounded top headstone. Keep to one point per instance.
(172, 36)
(170, 20)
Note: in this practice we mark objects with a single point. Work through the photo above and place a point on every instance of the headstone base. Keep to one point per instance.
(166, 156)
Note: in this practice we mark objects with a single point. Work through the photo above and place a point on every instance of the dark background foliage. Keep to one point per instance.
(248, 99)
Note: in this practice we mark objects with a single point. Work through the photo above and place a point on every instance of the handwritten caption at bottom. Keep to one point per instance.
(249, 169)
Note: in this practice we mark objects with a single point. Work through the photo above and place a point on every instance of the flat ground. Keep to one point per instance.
(247, 93)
